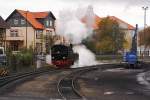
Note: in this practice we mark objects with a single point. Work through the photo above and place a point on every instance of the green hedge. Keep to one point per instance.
(20, 61)
(24, 59)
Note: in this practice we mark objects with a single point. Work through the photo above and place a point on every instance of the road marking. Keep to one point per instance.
(108, 93)
(129, 93)
(141, 79)
(122, 70)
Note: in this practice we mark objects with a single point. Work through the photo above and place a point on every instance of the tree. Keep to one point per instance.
(90, 44)
(109, 36)
(144, 37)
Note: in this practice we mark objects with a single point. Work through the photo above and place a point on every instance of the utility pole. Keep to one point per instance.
(145, 8)
(26, 27)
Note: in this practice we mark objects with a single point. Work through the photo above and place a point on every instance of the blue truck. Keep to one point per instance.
(131, 57)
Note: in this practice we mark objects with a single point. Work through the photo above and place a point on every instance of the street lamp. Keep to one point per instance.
(145, 8)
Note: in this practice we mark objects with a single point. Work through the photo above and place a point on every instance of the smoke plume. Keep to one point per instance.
(70, 26)
(86, 57)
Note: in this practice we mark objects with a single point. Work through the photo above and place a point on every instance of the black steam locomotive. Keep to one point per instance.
(63, 56)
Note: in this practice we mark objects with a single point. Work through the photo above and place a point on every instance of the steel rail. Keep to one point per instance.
(67, 85)
(11, 78)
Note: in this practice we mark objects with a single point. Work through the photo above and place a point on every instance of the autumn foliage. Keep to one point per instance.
(108, 38)
(144, 37)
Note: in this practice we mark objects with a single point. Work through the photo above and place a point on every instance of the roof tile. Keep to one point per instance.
(130, 27)
(31, 18)
(98, 19)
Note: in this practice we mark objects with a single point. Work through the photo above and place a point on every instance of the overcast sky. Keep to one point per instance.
(127, 10)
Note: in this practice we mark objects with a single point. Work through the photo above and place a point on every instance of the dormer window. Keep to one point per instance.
(15, 21)
(51, 23)
(23, 21)
(47, 23)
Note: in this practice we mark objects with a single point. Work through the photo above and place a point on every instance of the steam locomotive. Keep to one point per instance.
(62, 56)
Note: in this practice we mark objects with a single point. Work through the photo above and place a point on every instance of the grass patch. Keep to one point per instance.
(109, 57)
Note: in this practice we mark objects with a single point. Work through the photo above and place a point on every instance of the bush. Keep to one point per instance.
(24, 59)
(21, 60)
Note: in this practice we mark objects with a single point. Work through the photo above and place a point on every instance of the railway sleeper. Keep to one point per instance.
(66, 83)
(70, 88)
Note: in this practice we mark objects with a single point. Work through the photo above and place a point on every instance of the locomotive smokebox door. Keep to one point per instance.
(62, 55)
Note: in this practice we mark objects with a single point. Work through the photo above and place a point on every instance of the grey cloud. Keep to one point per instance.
(126, 2)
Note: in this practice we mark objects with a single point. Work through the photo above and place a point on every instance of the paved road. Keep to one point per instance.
(114, 84)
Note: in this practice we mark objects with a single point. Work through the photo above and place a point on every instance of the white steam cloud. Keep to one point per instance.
(70, 26)
(86, 57)
(75, 33)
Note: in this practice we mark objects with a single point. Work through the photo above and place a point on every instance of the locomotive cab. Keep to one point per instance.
(62, 56)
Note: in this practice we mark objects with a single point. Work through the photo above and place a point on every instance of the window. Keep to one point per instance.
(38, 47)
(14, 33)
(23, 21)
(47, 23)
(51, 23)
(1, 51)
(39, 34)
(48, 32)
(1, 33)
(15, 22)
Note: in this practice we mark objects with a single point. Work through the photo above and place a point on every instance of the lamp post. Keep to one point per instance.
(145, 8)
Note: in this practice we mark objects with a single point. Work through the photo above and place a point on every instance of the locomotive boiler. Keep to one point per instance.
(62, 56)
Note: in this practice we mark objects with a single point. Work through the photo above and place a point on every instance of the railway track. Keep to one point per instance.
(67, 86)
(5, 81)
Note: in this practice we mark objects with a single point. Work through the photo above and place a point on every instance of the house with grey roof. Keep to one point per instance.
(3, 27)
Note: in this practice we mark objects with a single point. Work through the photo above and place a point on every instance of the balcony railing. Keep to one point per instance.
(14, 34)
(21, 38)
